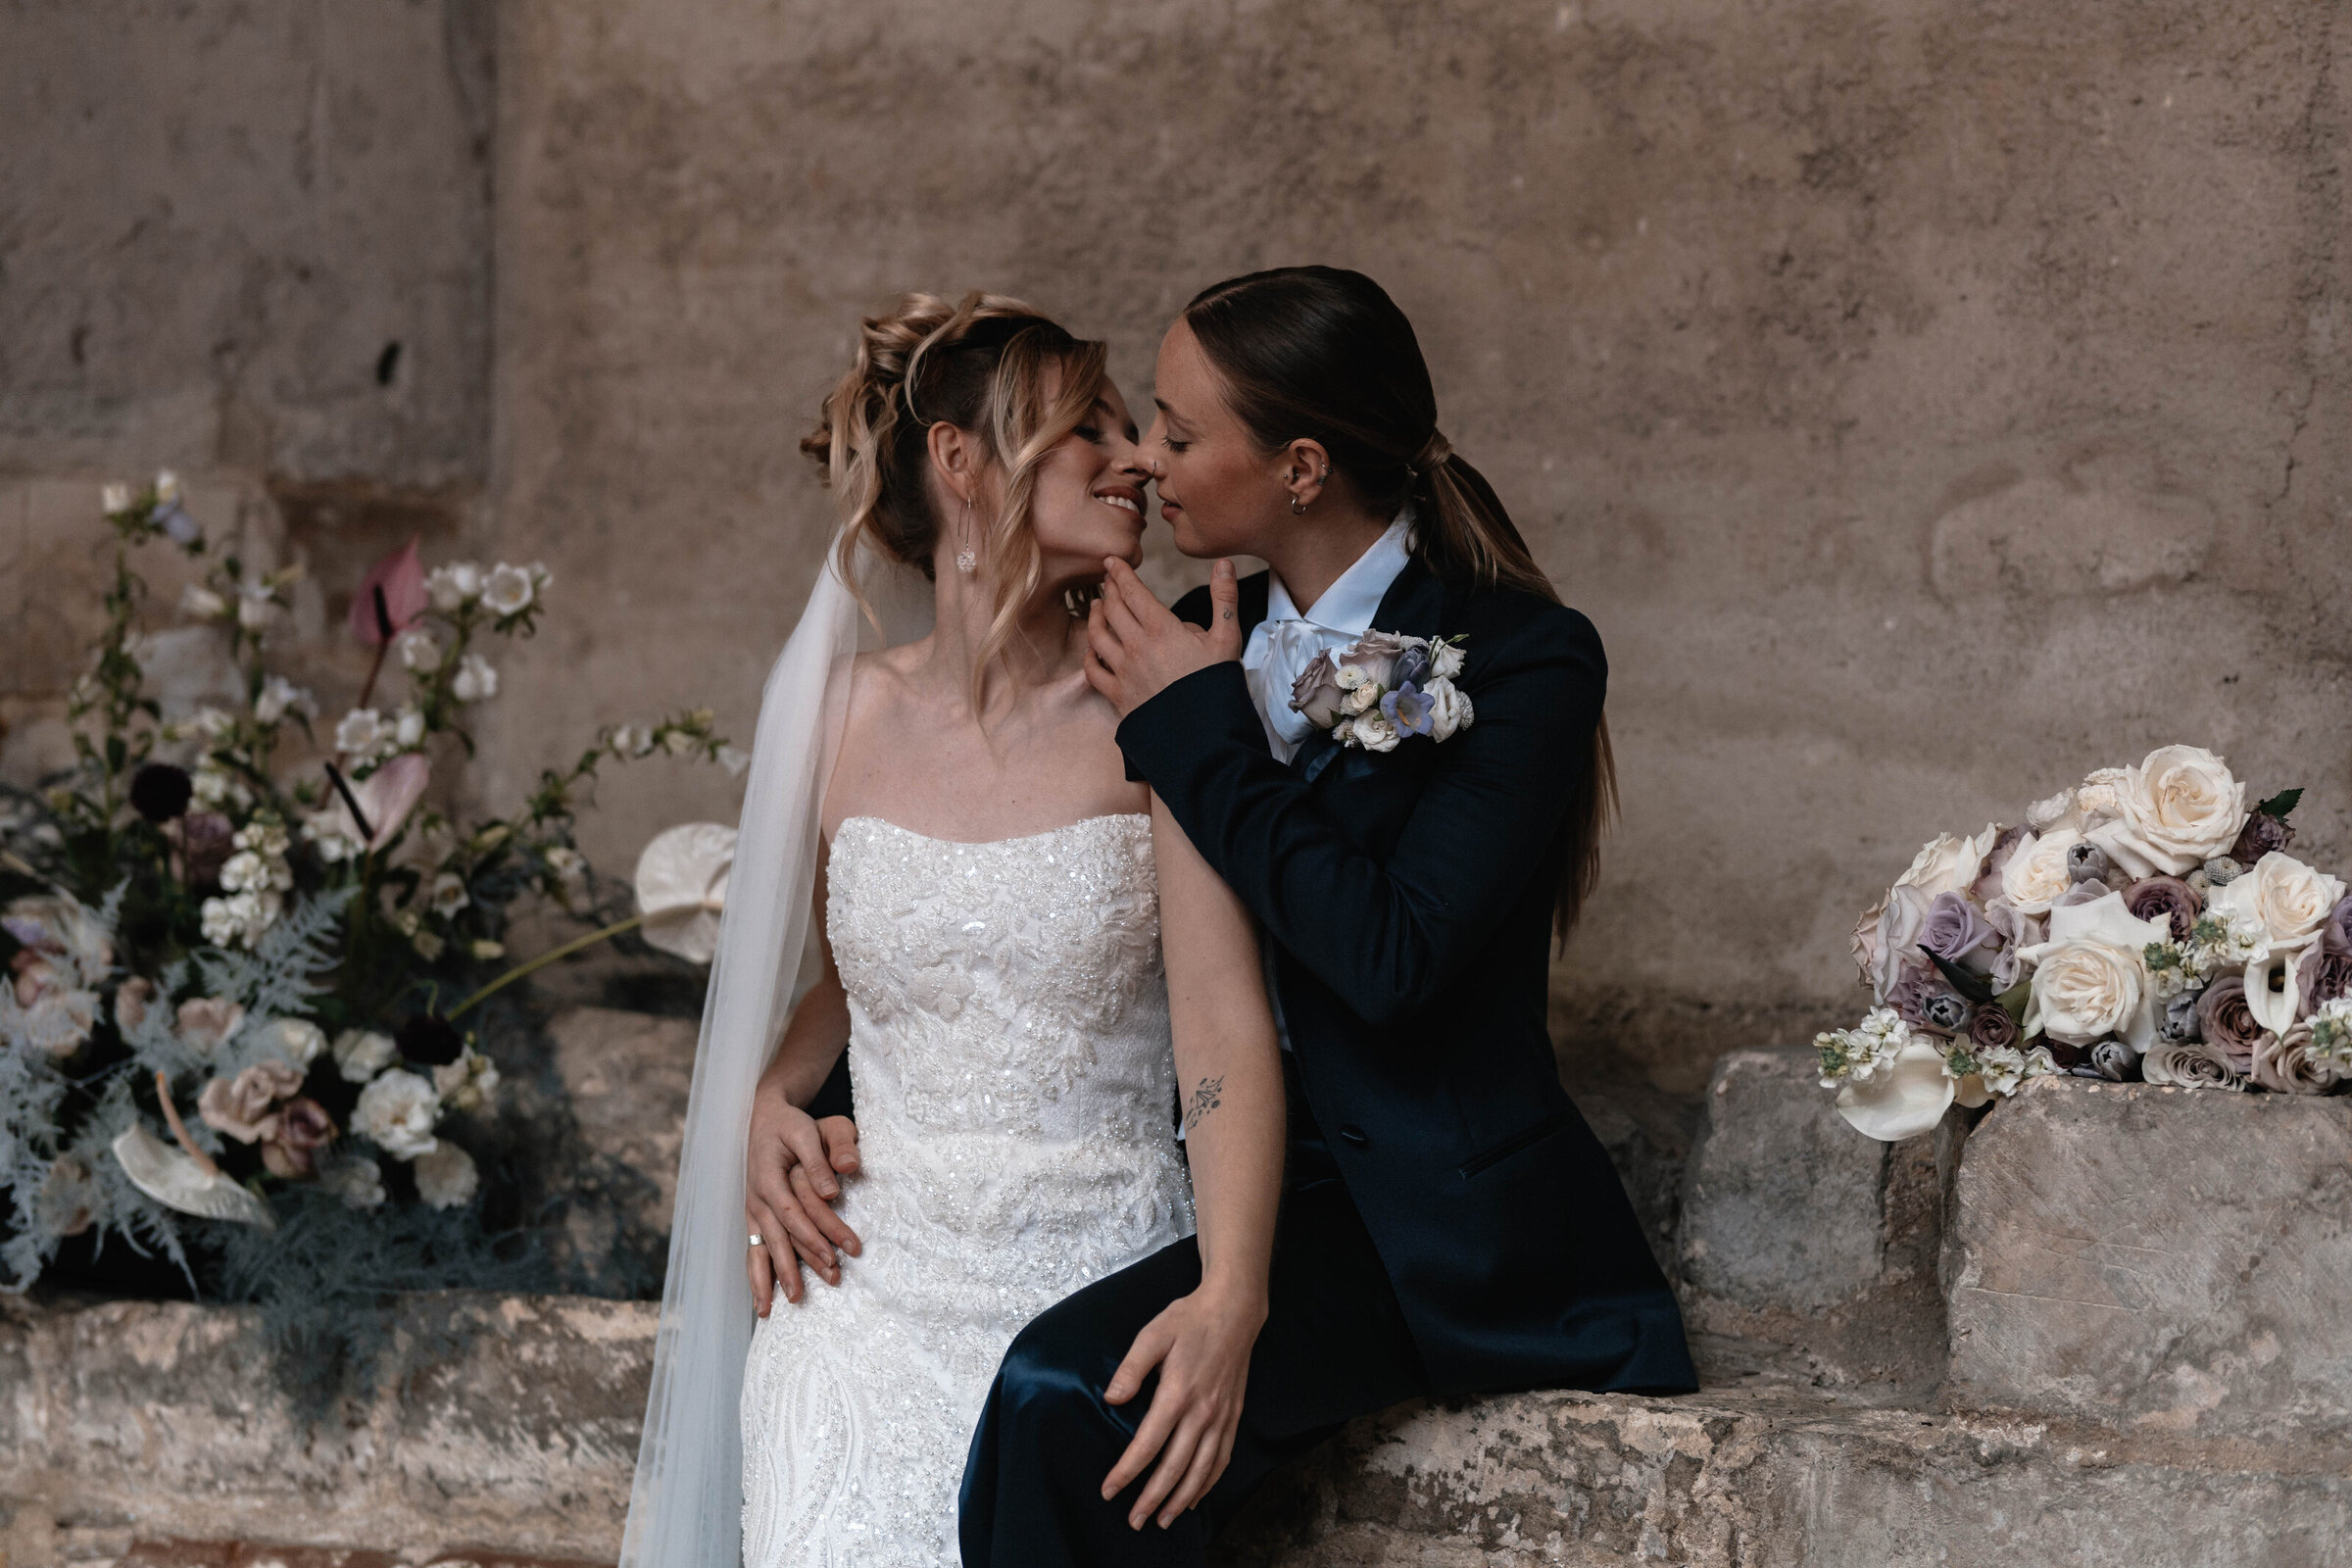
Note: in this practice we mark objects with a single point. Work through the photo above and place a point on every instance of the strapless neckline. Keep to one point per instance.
(868, 819)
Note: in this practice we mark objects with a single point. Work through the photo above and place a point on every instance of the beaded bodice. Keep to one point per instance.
(1015, 1091)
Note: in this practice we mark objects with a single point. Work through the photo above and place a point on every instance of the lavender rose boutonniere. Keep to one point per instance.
(1384, 689)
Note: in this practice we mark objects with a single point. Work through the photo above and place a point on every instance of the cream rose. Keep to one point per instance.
(2036, 871)
(2091, 979)
(2291, 899)
(1894, 945)
(1948, 863)
(2178, 810)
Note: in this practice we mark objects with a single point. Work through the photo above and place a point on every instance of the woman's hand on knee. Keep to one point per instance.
(1200, 1346)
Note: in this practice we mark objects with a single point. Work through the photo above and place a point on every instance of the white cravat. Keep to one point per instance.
(1286, 641)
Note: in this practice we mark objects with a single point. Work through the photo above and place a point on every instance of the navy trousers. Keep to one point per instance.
(1335, 1346)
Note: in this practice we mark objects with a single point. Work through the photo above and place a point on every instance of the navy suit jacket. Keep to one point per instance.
(1408, 895)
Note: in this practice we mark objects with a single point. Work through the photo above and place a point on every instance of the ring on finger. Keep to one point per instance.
(755, 1241)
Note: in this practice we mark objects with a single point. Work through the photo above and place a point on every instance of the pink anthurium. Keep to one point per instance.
(386, 797)
(401, 575)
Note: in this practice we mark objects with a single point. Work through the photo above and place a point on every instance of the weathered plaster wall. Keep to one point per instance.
(1909, 392)
(249, 243)
(1927, 402)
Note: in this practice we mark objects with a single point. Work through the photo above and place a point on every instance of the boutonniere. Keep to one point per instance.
(1384, 687)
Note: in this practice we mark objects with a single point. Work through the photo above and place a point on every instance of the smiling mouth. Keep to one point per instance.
(1120, 499)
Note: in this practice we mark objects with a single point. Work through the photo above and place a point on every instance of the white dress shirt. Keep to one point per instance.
(1287, 641)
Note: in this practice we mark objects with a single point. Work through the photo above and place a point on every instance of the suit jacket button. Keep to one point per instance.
(1355, 1135)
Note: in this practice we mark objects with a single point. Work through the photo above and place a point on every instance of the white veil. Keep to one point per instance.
(686, 1506)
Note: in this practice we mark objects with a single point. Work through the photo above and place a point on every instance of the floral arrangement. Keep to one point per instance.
(237, 983)
(1384, 687)
(2147, 924)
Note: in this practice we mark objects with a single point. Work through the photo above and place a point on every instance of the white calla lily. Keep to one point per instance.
(184, 1182)
(682, 888)
(1902, 1099)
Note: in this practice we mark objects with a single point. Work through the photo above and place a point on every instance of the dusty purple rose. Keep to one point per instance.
(1317, 692)
(205, 845)
(2168, 898)
(1993, 1029)
(1955, 929)
(1376, 654)
(2336, 935)
(2262, 834)
(2320, 976)
(2228, 1022)
(303, 1128)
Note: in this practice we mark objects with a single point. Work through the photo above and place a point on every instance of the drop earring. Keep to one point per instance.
(966, 562)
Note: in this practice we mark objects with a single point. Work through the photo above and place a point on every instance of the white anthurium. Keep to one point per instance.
(682, 888)
(187, 1182)
(1902, 1099)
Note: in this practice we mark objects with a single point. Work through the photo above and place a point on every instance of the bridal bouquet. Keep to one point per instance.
(238, 987)
(2145, 925)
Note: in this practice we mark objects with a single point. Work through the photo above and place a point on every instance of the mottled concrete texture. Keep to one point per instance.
(135, 1420)
(2157, 1260)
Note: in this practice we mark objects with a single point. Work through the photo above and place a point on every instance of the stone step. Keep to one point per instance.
(1778, 1477)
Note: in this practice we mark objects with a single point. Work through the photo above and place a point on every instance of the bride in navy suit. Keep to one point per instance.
(1449, 1223)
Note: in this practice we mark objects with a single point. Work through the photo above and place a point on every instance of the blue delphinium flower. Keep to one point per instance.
(1408, 707)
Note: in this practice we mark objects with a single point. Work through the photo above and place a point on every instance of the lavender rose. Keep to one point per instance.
(1317, 692)
(2262, 834)
(2286, 1064)
(1953, 929)
(1913, 990)
(2320, 976)
(1376, 654)
(2189, 1065)
(240, 1106)
(1993, 1029)
(2227, 1023)
(2167, 898)
(2335, 932)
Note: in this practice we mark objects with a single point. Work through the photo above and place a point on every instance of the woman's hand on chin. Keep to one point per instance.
(1200, 1344)
(792, 1175)
(1135, 646)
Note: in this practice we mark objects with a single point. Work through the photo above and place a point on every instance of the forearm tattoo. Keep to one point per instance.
(1205, 1099)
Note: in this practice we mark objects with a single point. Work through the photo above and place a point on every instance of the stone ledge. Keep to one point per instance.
(1771, 1477)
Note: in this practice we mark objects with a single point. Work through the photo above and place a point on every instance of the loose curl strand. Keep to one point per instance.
(990, 366)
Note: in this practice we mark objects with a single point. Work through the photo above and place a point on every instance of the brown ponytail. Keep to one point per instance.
(1321, 353)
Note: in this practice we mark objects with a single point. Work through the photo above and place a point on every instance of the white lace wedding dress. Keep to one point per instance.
(1015, 1090)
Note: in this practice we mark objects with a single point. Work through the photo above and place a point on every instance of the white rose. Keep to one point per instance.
(1444, 661)
(2059, 811)
(298, 1039)
(2100, 794)
(419, 651)
(2037, 872)
(476, 680)
(2291, 899)
(507, 591)
(1373, 731)
(1948, 863)
(2091, 979)
(397, 1112)
(445, 1176)
(2178, 810)
(362, 1053)
(1449, 708)
(201, 603)
(1361, 697)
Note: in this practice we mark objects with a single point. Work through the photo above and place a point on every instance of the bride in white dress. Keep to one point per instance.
(1028, 964)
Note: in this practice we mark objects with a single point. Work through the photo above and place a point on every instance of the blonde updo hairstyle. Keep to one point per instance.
(986, 365)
